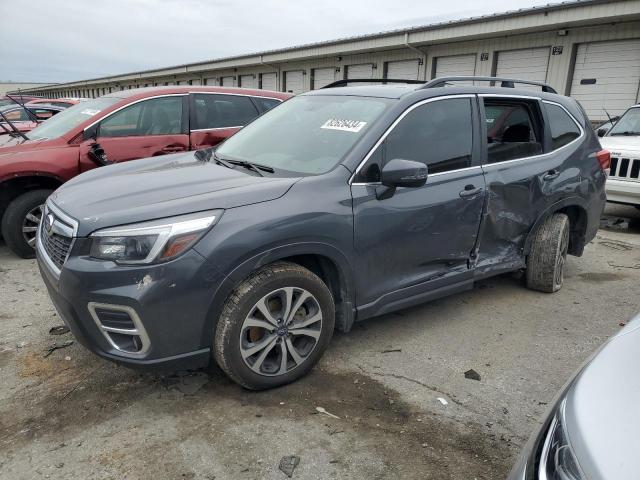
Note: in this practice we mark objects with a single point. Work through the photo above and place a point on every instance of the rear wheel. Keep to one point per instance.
(21, 220)
(547, 259)
(274, 327)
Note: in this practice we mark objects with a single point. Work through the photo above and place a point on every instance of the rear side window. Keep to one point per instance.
(438, 134)
(222, 111)
(265, 104)
(511, 131)
(157, 116)
(563, 129)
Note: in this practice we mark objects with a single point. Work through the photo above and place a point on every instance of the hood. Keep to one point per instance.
(621, 142)
(602, 415)
(9, 145)
(160, 187)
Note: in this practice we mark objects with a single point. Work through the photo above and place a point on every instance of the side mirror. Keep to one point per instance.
(403, 173)
(602, 132)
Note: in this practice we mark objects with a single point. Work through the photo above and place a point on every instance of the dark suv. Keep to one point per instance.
(338, 205)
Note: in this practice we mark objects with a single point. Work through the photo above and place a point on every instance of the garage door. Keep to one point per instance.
(359, 71)
(403, 70)
(247, 81)
(294, 82)
(195, 81)
(269, 81)
(606, 77)
(456, 65)
(527, 64)
(210, 81)
(323, 76)
(226, 81)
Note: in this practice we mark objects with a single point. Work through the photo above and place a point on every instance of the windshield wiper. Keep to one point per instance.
(256, 167)
(627, 133)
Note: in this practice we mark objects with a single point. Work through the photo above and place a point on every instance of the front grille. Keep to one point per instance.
(625, 168)
(56, 246)
(55, 238)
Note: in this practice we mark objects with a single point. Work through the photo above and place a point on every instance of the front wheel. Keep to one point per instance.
(546, 261)
(274, 327)
(21, 220)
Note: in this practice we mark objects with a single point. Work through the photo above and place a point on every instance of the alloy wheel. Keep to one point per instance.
(280, 331)
(30, 224)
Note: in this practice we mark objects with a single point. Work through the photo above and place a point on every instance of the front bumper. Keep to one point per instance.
(171, 301)
(623, 191)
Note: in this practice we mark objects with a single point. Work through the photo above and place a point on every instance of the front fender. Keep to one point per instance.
(346, 313)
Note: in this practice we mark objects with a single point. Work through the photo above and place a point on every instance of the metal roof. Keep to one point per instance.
(406, 30)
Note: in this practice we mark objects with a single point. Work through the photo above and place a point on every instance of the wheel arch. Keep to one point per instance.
(576, 209)
(326, 261)
(14, 186)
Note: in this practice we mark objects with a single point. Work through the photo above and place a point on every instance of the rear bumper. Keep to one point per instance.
(171, 301)
(622, 191)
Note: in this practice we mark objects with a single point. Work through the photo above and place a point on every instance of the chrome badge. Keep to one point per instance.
(48, 224)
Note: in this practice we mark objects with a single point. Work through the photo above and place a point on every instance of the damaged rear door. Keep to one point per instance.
(518, 177)
(419, 239)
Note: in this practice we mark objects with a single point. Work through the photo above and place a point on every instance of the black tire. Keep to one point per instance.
(231, 330)
(15, 215)
(546, 261)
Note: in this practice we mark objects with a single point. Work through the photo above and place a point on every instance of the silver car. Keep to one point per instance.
(592, 432)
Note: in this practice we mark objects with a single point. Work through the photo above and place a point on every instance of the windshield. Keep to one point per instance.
(70, 118)
(629, 123)
(307, 134)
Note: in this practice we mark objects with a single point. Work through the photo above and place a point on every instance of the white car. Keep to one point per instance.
(623, 141)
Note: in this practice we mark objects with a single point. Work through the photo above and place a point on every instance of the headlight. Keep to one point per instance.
(557, 460)
(155, 241)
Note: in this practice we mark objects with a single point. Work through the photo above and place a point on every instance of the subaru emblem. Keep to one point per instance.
(48, 223)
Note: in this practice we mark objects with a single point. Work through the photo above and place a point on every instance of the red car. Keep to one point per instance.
(22, 120)
(117, 127)
(60, 102)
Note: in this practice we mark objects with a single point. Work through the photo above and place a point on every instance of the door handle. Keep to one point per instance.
(551, 174)
(470, 191)
(173, 149)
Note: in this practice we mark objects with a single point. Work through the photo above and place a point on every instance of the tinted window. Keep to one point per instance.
(265, 104)
(438, 134)
(223, 111)
(511, 132)
(158, 116)
(563, 129)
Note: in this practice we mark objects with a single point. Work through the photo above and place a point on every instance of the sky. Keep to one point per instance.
(66, 40)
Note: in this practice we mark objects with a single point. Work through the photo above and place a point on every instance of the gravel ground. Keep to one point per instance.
(73, 415)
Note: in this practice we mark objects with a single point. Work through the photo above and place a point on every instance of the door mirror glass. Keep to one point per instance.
(403, 173)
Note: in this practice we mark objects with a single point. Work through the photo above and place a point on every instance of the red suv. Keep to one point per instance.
(117, 127)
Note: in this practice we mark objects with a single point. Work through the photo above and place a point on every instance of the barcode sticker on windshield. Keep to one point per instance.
(344, 125)
(90, 112)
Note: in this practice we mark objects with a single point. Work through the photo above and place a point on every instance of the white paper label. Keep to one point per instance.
(344, 125)
(90, 112)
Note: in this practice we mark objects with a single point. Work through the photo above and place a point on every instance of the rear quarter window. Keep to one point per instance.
(564, 129)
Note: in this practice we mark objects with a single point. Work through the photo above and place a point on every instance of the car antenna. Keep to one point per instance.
(13, 126)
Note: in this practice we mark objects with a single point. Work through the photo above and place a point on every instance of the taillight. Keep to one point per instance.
(604, 158)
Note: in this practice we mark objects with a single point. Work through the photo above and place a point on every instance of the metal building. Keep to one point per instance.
(589, 49)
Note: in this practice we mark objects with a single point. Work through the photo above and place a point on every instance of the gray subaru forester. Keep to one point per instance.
(339, 205)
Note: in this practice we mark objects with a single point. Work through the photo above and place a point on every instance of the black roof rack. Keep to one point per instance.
(443, 81)
(346, 81)
(504, 82)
